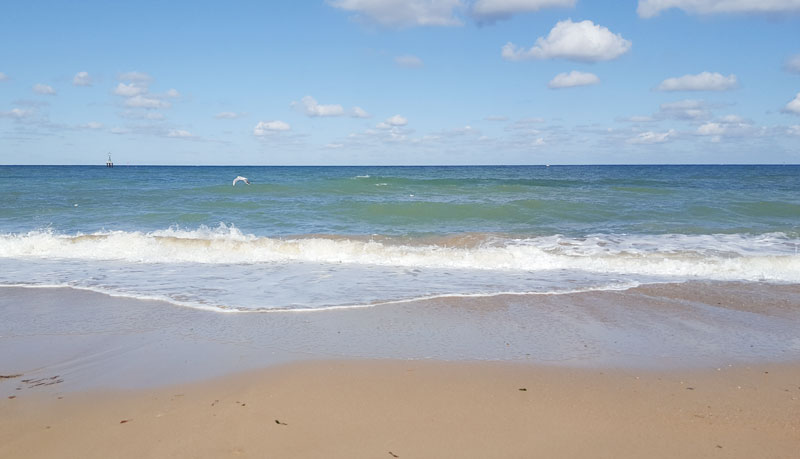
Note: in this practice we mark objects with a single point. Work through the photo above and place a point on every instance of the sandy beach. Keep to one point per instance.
(353, 409)
(684, 370)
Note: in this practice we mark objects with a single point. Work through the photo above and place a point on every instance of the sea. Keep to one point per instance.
(304, 239)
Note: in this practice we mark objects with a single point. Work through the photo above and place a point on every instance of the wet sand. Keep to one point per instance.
(354, 409)
(95, 341)
(673, 370)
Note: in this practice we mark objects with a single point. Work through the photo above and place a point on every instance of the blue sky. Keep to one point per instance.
(400, 82)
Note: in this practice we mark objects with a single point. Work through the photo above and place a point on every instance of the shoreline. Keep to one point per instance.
(390, 408)
(91, 340)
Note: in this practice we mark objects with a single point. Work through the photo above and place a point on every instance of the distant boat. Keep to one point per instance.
(109, 163)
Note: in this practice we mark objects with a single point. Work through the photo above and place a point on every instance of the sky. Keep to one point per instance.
(392, 82)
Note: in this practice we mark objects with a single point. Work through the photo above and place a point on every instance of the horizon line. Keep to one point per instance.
(103, 165)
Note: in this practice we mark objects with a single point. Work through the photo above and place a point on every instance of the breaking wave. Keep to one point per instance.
(765, 257)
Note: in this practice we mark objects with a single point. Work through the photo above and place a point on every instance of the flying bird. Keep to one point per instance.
(240, 179)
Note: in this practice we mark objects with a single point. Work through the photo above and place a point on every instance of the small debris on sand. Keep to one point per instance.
(125, 420)
(523, 389)
(281, 423)
(42, 381)
(10, 376)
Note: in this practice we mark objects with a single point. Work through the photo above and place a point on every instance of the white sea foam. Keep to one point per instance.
(766, 257)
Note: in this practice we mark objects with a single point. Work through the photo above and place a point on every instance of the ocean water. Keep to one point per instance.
(309, 238)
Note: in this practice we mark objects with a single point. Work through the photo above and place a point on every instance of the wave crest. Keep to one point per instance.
(770, 257)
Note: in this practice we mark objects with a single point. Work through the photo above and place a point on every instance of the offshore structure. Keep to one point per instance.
(109, 163)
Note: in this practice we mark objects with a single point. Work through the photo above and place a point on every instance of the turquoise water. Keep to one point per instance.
(316, 237)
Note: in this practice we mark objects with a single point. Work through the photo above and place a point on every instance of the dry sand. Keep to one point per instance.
(413, 409)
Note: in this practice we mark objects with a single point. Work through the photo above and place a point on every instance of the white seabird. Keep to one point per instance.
(240, 179)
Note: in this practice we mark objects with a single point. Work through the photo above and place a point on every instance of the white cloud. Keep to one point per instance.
(136, 77)
(572, 79)
(92, 125)
(359, 112)
(794, 105)
(119, 130)
(228, 115)
(180, 134)
(733, 119)
(138, 115)
(711, 129)
(3, 76)
(525, 126)
(459, 132)
(394, 121)
(408, 61)
(705, 81)
(493, 10)
(496, 118)
(650, 137)
(650, 8)
(129, 90)
(687, 109)
(269, 127)
(140, 101)
(792, 64)
(578, 41)
(686, 104)
(138, 95)
(311, 108)
(82, 79)
(403, 13)
(639, 119)
(729, 126)
(794, 129)
(40, 88)
(17, 113)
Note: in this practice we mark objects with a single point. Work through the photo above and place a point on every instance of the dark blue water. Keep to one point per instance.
(569, 200)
